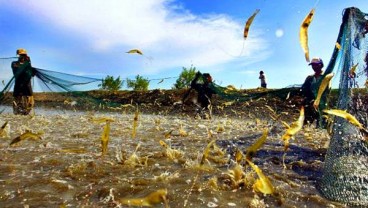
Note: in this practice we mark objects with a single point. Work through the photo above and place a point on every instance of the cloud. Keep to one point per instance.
(163, 29)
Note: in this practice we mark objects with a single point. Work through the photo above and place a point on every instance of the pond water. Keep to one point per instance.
(66, 168)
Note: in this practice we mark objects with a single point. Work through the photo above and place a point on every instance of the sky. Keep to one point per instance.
(91, 38)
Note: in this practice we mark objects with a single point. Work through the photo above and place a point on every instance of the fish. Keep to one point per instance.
(3, 132)
(163, 144)
(263, 184)
(172, 154)
(135, 51)
(322, 87)
(26, 135)
(248, 23)
(251, 151)
(295, 127)
(102, 120)
(345, 115)
(303, 34)
(338, 46)
(105, 137)
(238, 156)
(157, 197)
(353, 69)
(206, 151)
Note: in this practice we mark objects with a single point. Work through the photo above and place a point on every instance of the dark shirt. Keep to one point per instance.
(23, 72)
(307, 89)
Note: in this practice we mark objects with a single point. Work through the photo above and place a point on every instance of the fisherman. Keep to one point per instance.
(23, 72)
(205, 93)
(310, 90)
(262, 77)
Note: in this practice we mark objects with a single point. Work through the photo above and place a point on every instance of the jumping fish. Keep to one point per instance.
(157, 197)
(207, 151)
(322, 87)
(303, 33)
(251, 151)
(248, 23)
(26, 135)
(263, 184)
(135, 51)
(345, 115)
(295, 127)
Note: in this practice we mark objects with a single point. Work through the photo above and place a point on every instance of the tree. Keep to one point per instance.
(185, 78)
(139, 83)
(111, 84)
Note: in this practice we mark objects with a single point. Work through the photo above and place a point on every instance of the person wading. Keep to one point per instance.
(205, 93)
(23, 94)
(310, 90)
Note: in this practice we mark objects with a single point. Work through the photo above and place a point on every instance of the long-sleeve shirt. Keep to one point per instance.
(23, 72)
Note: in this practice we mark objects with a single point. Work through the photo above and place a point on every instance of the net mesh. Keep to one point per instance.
(345, 176)
(46, 81)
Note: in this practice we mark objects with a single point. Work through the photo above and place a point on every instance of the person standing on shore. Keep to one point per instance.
(23, 94)
(262, 77)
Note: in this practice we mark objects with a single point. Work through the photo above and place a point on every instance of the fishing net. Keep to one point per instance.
(345, 177)
(245, 95)
(45, 81)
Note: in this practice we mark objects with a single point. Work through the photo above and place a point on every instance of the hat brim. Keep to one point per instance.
(315, 63)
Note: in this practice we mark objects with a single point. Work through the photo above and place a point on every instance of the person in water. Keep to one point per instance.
(205, 92)
(23, 94)
(310, 90)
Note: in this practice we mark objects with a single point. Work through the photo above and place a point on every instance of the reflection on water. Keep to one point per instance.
(66, 168)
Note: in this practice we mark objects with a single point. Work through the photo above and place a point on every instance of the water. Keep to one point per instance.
(66, 168)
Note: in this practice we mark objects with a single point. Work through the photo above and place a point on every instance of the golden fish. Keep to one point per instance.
(338, 46)
(251, 151)
(345, 115)
(248, 23)
(157, 197)
(238, 156)
(135, 51)
(26, 135)
(263, 184)
(303, 33)
(322, 87)
(102, 120)
(105, 137)
(353, 69)
(207, 151)
(163, 144)
(295, 127)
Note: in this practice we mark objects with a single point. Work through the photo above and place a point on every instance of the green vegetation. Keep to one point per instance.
(111, 84)
(140, 83)
(185, 77)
